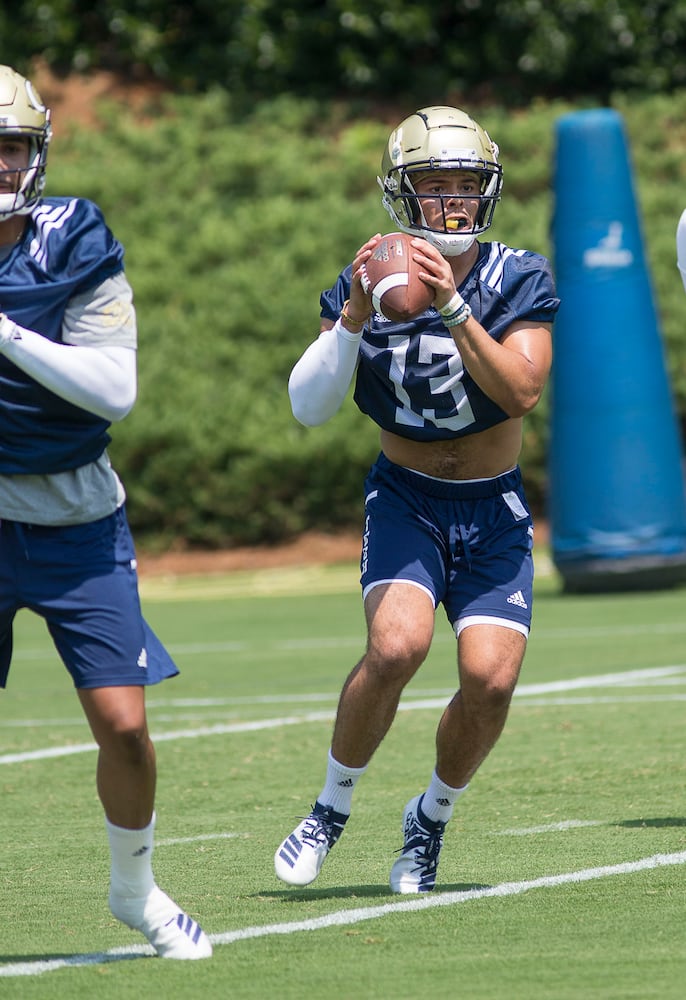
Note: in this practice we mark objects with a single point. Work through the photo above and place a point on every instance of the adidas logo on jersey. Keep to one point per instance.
(143, 659)
(518, 599)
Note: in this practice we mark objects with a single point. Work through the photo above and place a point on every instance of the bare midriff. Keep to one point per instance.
(476, 456)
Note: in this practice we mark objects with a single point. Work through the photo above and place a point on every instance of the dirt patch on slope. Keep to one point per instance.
(311, 549)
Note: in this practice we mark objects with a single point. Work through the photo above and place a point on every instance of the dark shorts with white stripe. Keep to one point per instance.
(82, 579)
(468, 544)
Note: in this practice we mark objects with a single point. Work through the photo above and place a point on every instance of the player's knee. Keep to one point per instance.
(492, 691)
(129, 742)
(395, 658)
(498, 695)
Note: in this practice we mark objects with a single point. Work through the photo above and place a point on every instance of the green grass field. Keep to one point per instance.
(562, 874)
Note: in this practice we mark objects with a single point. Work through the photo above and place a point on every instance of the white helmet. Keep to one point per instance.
(23, 113)
(442, 139)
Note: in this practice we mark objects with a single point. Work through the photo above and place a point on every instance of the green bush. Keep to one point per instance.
(232, 226)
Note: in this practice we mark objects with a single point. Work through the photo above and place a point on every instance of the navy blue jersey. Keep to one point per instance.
(67, 249)
(410, 378)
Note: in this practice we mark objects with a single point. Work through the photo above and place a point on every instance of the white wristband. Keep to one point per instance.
(453, 306)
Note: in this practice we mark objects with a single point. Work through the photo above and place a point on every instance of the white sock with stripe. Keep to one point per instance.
(339, 785)
(439, 799)
(131, 860)
(138, 902)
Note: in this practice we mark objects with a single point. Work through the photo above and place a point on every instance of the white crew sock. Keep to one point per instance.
(339, 785)
(439, 799)
(131, 874)
(138, 902)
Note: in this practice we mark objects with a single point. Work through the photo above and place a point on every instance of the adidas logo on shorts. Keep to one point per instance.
(518, 599)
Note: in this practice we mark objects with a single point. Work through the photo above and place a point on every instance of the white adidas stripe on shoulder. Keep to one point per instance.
(491, 271)
(48, 218)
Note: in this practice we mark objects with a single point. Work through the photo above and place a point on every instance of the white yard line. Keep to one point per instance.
(565, 824)
(442, 636)
(192, 840)
(348, 917)
(640, 677)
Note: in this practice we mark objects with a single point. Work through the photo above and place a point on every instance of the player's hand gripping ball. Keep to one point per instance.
(392, 276)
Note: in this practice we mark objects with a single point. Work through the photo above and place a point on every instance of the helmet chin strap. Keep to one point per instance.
(12, 204)
(450, 246)
(16, 204)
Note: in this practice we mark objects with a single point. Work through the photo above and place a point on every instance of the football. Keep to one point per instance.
(392, 277)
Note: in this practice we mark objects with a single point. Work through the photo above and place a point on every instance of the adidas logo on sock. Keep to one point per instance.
(442, 802)
(518, 599)
(346, 783)
(141, 851)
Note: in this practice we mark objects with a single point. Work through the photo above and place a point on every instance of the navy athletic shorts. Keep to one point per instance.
(82, 580)
(468, 544)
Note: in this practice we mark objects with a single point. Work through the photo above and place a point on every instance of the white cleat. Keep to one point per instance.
(171, 932)
(298, 860)
(415, 869)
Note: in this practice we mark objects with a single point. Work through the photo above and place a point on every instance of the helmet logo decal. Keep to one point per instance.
(459, 154)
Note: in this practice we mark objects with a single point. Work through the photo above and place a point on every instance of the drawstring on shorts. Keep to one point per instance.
(458, 535)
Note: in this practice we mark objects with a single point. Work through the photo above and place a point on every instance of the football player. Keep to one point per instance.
(446, 519)
(67, 371)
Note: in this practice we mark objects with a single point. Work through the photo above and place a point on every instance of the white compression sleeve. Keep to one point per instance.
(101, 380)
(321, 378)
(681, 246)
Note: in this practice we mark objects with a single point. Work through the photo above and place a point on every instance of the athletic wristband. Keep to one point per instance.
(459, 317)
(453, 306)
(350, 319)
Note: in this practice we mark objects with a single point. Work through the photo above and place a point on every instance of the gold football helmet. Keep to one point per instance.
(438, 138)
(22, 112)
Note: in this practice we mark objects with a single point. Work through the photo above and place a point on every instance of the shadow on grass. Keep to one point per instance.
(658, 821)
(296, 895)
(39, 962)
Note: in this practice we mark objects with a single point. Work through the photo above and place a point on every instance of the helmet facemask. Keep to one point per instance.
(22, 113)
(439, 139)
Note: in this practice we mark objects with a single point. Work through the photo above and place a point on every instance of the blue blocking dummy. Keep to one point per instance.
(617, 500)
